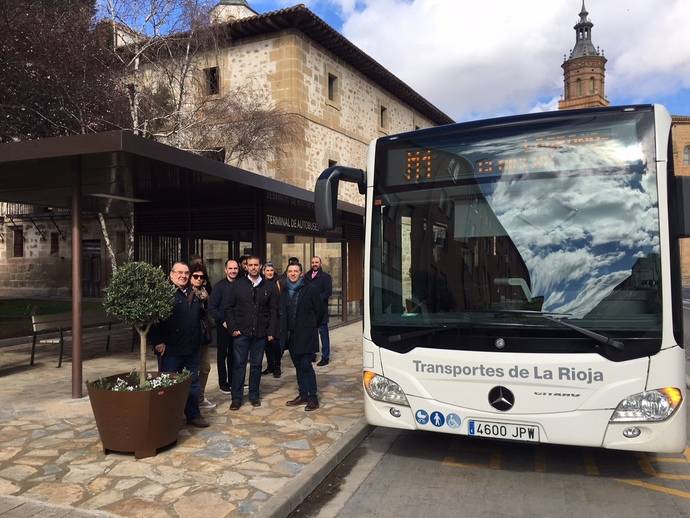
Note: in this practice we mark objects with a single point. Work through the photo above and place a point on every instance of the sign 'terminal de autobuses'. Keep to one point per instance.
(291, 223)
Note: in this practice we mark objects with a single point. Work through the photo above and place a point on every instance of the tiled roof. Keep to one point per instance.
(301, 18)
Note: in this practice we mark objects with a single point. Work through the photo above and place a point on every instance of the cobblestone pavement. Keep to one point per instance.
(50, 450)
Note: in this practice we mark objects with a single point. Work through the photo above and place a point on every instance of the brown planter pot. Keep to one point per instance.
(138, 421)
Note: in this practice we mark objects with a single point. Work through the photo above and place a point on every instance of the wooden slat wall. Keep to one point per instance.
(355, 270)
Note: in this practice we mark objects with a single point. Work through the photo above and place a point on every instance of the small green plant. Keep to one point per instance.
(140, 295)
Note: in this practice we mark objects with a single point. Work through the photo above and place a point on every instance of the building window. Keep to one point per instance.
(212, 81)
(332, 87)
(54, 243)
(18, 242)
(579, 87)
(383, 117)
(591, 86)
(686, 155)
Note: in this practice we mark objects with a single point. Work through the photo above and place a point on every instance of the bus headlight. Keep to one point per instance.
(383, 389)
(649, 406)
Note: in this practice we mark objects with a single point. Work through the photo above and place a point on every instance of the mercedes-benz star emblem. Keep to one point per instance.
(501, 398)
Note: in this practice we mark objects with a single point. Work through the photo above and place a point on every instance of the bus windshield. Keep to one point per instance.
(511, 231)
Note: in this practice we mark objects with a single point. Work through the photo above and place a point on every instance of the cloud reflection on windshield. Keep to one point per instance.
(579, 235)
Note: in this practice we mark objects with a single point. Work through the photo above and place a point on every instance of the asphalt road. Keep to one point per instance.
(401, 474)
(420, 474)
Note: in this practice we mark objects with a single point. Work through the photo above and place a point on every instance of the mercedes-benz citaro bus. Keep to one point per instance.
(522, 279)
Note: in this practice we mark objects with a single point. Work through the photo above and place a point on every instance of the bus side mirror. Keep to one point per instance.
(326, 193)
(680, 219)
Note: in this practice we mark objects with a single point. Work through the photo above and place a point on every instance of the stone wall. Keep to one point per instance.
(680, 134)
(44, 271)
(293, 71)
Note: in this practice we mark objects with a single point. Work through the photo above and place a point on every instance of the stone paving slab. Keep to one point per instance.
(50, 451)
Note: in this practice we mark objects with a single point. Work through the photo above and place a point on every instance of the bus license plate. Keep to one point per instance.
(509, 431)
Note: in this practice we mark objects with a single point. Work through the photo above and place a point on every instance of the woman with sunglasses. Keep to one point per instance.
(199, 279)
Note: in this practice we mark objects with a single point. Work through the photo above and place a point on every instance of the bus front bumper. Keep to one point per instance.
(579, 428)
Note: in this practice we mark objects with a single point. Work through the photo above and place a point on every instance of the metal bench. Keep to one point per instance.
(61, 323)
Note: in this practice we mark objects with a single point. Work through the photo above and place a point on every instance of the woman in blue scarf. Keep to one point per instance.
(301, 313)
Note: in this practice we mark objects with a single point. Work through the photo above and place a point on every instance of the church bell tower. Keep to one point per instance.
(584, 71)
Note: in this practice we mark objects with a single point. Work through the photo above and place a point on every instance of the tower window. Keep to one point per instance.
(212, 81)
(686, 155)
(579, 87)
(591, 85)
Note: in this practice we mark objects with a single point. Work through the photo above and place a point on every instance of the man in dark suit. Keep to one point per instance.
(252, 319)
(217, 306)
(324, 284)
(301, 313)
(177, 340)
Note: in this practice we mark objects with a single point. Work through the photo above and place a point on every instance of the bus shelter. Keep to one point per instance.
(181, 203)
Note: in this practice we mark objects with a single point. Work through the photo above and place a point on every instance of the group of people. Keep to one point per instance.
(254, 311)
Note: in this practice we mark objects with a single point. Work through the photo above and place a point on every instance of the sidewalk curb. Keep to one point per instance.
(294, 492)
(43, 506)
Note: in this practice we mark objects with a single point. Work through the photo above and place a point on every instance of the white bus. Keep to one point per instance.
(523, 279)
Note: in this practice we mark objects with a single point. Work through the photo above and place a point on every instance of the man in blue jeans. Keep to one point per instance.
(324, 284)
(177, 340)
(251, 318)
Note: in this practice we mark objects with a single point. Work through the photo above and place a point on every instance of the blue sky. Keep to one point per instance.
(482, 59)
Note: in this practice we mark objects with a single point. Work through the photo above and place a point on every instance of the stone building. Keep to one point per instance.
(35, 250)
(343, 99)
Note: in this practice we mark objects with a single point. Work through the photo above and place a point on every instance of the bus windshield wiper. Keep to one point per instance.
(616, 344)
(589, 333)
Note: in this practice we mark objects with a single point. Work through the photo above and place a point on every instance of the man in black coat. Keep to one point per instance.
(301, 314)
(324, 285)
(177, 340)
(252, 319)
(217, 306)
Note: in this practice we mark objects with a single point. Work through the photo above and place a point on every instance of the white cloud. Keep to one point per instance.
(475, 59)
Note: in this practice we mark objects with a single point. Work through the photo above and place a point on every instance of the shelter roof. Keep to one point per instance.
(119, 168)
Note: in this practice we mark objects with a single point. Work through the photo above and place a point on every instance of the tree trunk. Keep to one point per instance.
(130, 247)
(143, 333)
(108, 242)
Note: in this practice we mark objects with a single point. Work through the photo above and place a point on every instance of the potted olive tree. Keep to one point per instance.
(139, 411)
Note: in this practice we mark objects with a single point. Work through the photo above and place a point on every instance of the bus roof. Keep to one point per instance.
(518, 119)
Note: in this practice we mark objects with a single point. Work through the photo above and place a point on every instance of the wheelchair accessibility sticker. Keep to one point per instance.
(453, 420)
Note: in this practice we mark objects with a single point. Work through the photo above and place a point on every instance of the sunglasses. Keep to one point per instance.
(198, 276)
